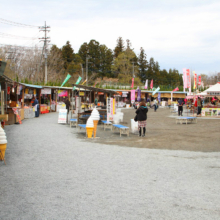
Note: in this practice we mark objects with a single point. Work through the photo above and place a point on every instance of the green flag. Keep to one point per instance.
(77, 82)
(67, 78)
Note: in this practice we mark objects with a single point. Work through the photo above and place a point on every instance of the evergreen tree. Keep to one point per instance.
(119, 47)
(143, 64)
(67, 54)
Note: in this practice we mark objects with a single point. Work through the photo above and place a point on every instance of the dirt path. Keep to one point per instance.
(163, 133)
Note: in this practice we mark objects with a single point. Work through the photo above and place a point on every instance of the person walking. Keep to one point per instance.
(169, 103)
(67, 103)
(155, 104)
(199, 104)
(142, 118)
(180, 107)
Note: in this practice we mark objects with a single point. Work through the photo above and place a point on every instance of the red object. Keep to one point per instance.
(151, 84)
(8, 90)
(196, 103)
(199, 83)
(176, 89)
(132, 84)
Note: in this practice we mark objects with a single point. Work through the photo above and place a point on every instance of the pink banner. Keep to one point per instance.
(176, 89)
(133, 95)
(151, 84)
(188, 79)
(199, 83)
(132, 84)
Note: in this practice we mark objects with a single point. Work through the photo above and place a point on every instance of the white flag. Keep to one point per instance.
(146, 84)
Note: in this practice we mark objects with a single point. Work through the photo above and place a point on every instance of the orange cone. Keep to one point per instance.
(2, 149)
(95, 126)
(89, 131)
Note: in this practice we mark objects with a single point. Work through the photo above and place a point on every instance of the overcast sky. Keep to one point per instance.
(178, 34)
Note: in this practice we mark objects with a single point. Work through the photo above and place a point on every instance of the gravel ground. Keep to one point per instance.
(53, 174)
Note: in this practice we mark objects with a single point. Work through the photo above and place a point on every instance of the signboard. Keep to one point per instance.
(45, 91)
(81, 94)
(213, 93)
(124, 94)
(62, 116)
(62, 93)
(109, 109)
(15, 110)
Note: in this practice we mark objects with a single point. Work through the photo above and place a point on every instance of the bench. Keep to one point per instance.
(73, 121)
(82, 126)
(123, 129)
(182, 120)
(107, 124)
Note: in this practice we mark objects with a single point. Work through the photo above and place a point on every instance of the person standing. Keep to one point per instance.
(67, 103)
(36, 106)
(96, 101)
(155, 104)
(169, 103)
(199, 104)
(142, 118)
(180, 107)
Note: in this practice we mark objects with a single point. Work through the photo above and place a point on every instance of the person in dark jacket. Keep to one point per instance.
(142, 118)
(37, 107)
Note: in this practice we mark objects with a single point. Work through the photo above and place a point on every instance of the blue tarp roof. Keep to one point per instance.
(33, 86)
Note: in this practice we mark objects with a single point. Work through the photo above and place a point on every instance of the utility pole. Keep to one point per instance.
(82, 73)
(87, 58)
(46, 40)
(133, 69)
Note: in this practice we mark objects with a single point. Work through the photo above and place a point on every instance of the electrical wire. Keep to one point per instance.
(4, 35)
(4, 21)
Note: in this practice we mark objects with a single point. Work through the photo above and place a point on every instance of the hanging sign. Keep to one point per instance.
(45, 91)
(124, 94)
(15, 110)
(81, 94)
(62, 93)
(8, 90)
(62, 116)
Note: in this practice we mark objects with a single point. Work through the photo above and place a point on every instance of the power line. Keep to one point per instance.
(4, 21)
(15, 36)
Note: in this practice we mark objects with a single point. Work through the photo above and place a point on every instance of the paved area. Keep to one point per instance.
(52, 174)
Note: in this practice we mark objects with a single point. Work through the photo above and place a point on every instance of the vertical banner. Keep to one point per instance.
(151, 84)
(176, 89)
(188, 79)
(113, 105)
(132, 96)
(77, 82)
(132, 84)
(199, 83)
(139, 95)
(155, 91)
(146, 84)
(67, 78)
(195, 80)
(184, 78)
(159, 97)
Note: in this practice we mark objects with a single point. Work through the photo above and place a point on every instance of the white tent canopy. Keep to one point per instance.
(212, 91)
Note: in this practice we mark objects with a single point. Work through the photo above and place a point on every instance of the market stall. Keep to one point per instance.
(211, 106)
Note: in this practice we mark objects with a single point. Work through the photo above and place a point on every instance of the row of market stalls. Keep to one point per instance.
(19, 96)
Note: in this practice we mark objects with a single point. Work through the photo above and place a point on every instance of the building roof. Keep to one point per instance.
(4, 78)
(90, 88)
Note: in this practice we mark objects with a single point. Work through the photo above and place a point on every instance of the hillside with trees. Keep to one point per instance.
(100, 62)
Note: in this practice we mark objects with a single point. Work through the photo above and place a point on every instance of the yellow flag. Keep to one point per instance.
(84, 82)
